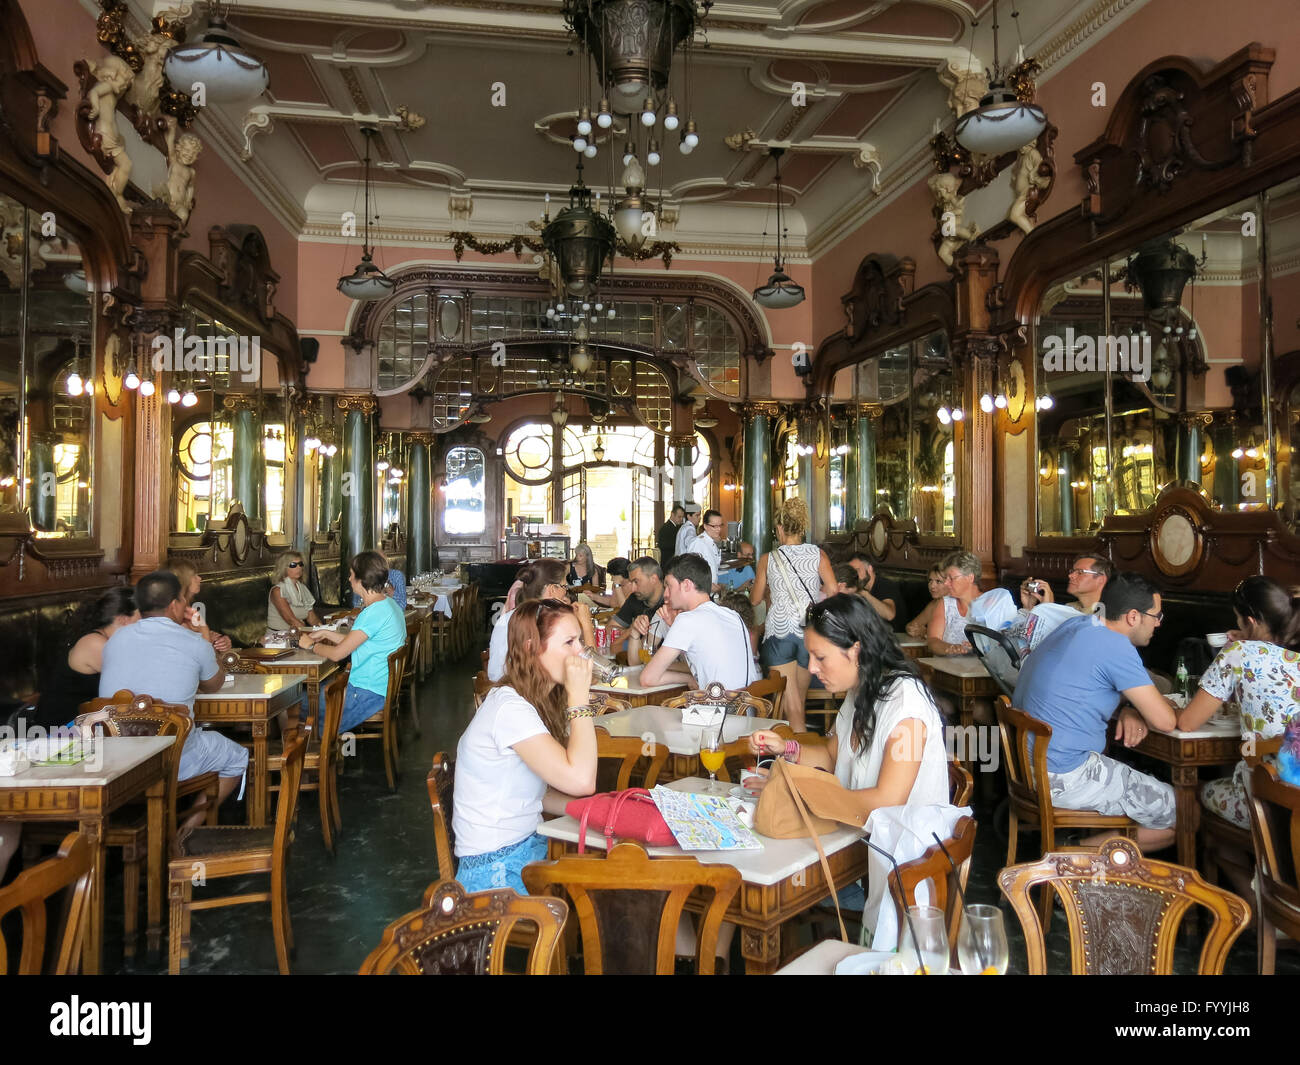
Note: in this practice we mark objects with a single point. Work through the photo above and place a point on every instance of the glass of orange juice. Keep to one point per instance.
(712, 756)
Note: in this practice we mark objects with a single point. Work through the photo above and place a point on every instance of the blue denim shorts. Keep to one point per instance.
(501, 868)
(778, 650)
(359, 704)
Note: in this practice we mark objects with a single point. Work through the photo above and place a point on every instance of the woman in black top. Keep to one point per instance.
(76, 674)
(583, 570)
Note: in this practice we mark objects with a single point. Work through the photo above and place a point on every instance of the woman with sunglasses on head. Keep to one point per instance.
(291, 604)
(935, 583)
(887, 745)
(543, 579)
(534, 730)
(1260, 670)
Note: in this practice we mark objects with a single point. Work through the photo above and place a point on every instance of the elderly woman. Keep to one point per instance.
(188, 574)
(946, 634)
(291, 603)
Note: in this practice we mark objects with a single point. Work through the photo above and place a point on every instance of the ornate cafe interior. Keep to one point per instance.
(430, 373)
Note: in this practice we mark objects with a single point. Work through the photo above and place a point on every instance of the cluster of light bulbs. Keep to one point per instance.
(1130, 451)
(842, 450)
(1044, 403)
(948, 415)
(580, 310)
(804, 450)
(1251, 452)
(584, 142)
(314, 443)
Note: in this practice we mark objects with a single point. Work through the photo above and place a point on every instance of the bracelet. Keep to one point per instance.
(579, 711)
(791, 751)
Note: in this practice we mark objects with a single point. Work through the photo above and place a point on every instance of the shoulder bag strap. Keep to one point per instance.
(811, 598)
(821, 854)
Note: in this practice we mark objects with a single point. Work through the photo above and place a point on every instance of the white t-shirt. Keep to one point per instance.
(497, 647)
(498, 798)
(861, 769)
(704, 546)
(716, 645)
(685, 535)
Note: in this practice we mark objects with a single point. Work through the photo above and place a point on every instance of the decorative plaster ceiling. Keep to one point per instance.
(870, 69)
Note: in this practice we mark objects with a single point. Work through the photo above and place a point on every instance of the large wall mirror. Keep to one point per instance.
(1150, 371)
(47, 374)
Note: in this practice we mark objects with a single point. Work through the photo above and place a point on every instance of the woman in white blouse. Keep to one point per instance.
(291, 604)
(533, 730)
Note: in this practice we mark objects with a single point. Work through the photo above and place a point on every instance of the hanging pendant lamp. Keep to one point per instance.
(229, 72)
(1003, 122)
(580, 239)
(367, 281)
(781, 291)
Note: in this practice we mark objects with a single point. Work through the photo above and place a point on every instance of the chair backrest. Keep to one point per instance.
(617, 756)
(771, 689)
(1123, 910)
(295, 749)
(128, 714)
(458, 933)
(441, 782)
(999, 655)
(732, 702)
(947, 880)
(396, 671)
(961, 784)
(333, 693)
(629, 904)
(414, 641)
(604, 703)
(1260, 749)
(1024, 750)
(1275, 828)
(481, 687)
(71, 868)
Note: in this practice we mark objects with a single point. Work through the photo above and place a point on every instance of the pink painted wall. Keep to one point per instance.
(1205, 29)
(64, 32)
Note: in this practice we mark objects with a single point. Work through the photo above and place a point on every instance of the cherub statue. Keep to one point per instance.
(952, 207)
(148, 82)
(1024, 177)
(113, 78)
(182, 151)
(966, 85)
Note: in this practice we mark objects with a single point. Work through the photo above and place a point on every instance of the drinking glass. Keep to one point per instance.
(711, 757)
(603, 669)
(982, 941)
(928, 952)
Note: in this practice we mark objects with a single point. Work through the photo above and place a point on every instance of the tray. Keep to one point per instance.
(265, 654)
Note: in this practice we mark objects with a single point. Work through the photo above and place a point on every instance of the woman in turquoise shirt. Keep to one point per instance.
(379, 630)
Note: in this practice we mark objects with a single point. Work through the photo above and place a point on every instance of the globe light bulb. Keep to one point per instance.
(986, 403)
(958, 414)
(590, 151)
(560, 307)
(146, 387)
(944, 417)
(691, 136)
(611, 313)
(189, 399)
(550, 312)
(648, 116)
(604, 119)
(75, 384)
(584, 122)
(173, 395)
(652, 153)
(1000, 402)
(579, 143)
(132, 379)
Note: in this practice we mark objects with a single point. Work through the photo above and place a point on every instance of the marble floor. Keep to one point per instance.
(340, 905)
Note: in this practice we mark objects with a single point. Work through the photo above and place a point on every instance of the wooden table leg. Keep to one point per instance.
(92, 950)
(761, 949)
(1188, 804)
(157, 816)
(258, 778)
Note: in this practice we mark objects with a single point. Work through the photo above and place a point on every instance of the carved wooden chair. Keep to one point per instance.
(1123, 910)
(1275, 828)
(1225, 845)
(466, 934)
(628, 906)
(732, 702)
(72, 869)
(414, 656)
(474, 615)
(604, 703)
(947, 880)
(617, 756)
(961, 784)
(383, 726)
(459, 637)
(771, 689)
(824, 705)
(481, 687)
(127, 714)
(1031, 798)
(442, 631)
(209, 854)
(321, 758)
(441, 782)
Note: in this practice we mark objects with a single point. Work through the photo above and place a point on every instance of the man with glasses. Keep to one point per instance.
(708, 544)
(1088, 577)
(1074, 681)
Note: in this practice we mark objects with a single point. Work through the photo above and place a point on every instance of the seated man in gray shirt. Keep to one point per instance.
(162, 658)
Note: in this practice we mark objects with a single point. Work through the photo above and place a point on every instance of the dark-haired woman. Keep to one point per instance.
(76, 674)
(1260, 670)
(533, 731)
(378, 631)
(543, 579)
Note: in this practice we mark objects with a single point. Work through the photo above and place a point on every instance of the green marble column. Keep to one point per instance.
(248, 462)
(864, 466)
(419, 519)
(756, 514)
(43, 491)
(331, 484)
(1191, 427)
(357, 489)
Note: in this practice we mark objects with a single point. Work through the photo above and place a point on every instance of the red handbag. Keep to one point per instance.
(629, 814)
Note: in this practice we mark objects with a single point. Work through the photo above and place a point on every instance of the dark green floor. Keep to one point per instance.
(385, 859)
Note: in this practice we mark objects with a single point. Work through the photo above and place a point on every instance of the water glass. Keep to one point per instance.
(982, 941)
(603, 669)
(928, 952)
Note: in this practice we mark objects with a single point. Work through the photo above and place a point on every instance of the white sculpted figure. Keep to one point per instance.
(964, 79)
(953, 231)
(182, 151)
(1024, 177)
(113, 78)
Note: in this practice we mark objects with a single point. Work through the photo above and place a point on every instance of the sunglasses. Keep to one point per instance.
(295, 565)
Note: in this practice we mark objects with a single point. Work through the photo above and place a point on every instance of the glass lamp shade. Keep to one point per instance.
(627, 220)
(580, 360)
(580, 240)
(229, 73)
(1000, 124)
(366, 282)
(779, 293)
(559, 415)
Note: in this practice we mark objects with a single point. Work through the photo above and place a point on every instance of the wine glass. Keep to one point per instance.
(982, 941)
(712, 756)
(928, 952)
